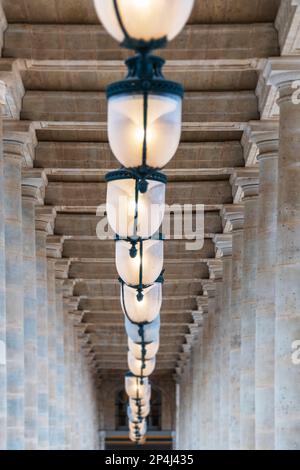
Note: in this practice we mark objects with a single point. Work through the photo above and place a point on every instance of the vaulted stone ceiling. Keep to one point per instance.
(59, 60)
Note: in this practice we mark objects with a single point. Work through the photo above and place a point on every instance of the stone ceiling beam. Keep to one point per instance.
(215, 41)
(92, 106)
(83, 12)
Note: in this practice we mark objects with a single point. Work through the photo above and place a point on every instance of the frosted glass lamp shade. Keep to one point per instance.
(141, 411)
(140, 368)
(137, 349)
(130, 217)
(150, 331)
(127, 134)
(142, 403)
(136, 388)
(144, 19)
(145, 310)
(140, 428)
(145, 267)
(136, 415)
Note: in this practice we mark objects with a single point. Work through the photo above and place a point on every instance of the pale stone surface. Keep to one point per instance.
(265, 309)
(234, 218)
(3, 405)
(14, 298)
(81, 346)
(287, 374)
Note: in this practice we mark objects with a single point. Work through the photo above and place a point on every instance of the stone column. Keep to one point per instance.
(246, 184)
(216, 275)
(32, 190)
(52, 358)
(223, 245)
(233, 217)
(197, 389)
(44, 226)
(209, 290)
(177, 417)
(68, 380)
(14, 295)
(287, 373)
(265, 141)
(202, 304)
(3, 403)
(60, 367)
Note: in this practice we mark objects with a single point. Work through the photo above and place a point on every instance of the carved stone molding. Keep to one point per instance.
(223, 244)
(245, 184)
(45, 219)
(276, 73)
(255, 137)
(232, 217)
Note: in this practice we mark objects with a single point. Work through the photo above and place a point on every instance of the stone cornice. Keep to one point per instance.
(245, 184)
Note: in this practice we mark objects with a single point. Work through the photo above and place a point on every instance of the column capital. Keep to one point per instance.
(68, 287)
(71, 304)
(198, 317)
(20, 145)
(245, 184)
(10, 74)
(2, 94)
(257, 136)
(209, 288)
(215, 267)
(202, 304)
(45, 219)
(223, 244)
(55, 246)
(233, 217)
(279, 74)
(34, 186)
(62, 267)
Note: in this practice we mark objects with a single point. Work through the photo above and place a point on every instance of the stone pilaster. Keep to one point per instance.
(52, 359)
(216, 275)
(60, 367)
(32, 194)
(233, 220)
(44, 226)
(223, 245)
(245, 186)
(263, 139)
(209, 290)
(14, 295)
(68, 327)
(3, 403)
(287, 373)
